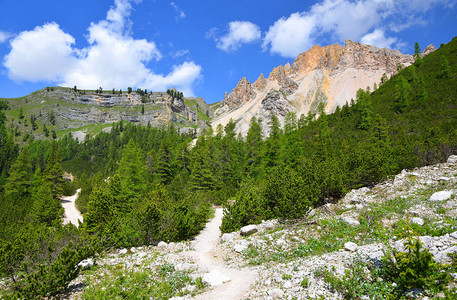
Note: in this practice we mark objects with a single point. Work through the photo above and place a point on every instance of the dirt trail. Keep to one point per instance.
(72, 214)
(209, 258)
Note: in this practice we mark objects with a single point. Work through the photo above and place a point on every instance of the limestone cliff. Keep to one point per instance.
(74, 109)
(330, 75)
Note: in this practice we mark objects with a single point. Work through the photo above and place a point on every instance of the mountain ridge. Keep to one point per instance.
(330, 75)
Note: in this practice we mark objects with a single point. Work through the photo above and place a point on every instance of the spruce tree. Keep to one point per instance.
(402, 94)
(46, 207)
(445, 69)
(417, 55)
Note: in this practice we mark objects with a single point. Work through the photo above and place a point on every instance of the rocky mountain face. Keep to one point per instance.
(73, 109)
(329, 75)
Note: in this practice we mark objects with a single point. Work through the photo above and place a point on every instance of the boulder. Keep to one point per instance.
(418, 221)
(276, 293)
(227, 237)
(441, 196)
(351, 221)
(185, 267)
(240, 246)
(350, 246)
(443, 257)
(87, 263)
(214, 278)
(248, 230)
(162, 244)
(452, 159)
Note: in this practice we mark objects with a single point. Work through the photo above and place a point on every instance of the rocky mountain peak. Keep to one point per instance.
(317, 57)
(329, 75)
(260, 83)
(286, 84)
(242, 93)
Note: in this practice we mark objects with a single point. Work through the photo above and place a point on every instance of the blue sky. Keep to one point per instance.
(202, 47)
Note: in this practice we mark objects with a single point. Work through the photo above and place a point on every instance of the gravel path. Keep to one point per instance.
(208, 257)
(72, 214)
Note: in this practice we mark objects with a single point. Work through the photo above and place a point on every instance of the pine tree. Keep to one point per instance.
(52, 118)
(254, 145)
(18, 184)
(384, 78)
(417, 55)
(46, 207)
(445, 69)
(364, 107)
(131, 168)
(402, 95)
(290, 122)
(53, 172)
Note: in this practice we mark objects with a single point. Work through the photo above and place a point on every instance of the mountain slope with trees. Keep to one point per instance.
(141, 184)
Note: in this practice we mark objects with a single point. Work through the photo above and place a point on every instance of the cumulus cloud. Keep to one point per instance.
(288, 37)
(337, 20)
(182, 77)
(4, 36)
(377, 38)
(44, 53)
(240, 32)
(113, 59)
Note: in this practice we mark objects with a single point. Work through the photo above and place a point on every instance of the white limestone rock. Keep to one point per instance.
(86, 263)
(441, 196)
(452, 159)
(162, 244)
(350, 246)
(418, 221)
(351, 221)
(248, 230)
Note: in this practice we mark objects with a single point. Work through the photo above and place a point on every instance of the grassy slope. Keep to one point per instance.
(38, 105)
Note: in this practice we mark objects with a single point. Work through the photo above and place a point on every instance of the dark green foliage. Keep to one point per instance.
(46, 207)
(417, 55)
(402, 95)
(4, 105)
(414, 268)
(52, 118)
(445, 69)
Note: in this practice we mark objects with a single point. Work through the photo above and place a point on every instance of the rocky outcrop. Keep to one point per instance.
(274, 103)
(429, 49)
(241, 94)
(260, 83)
(74, 109)
(371, 58)
(329, 75)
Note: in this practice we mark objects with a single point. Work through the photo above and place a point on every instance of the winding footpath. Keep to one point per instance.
(72, 214)
(233, 283)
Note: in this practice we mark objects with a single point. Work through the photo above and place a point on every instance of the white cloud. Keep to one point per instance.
(4, 36)
(180, 12)
(182, 77)
(377, 38)
(337, 20)
(181, 53)
(44, 53)
(288, 37)
(113, 59)
(240, 32)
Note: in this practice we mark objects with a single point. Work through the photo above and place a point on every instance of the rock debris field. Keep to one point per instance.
(286, 259)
